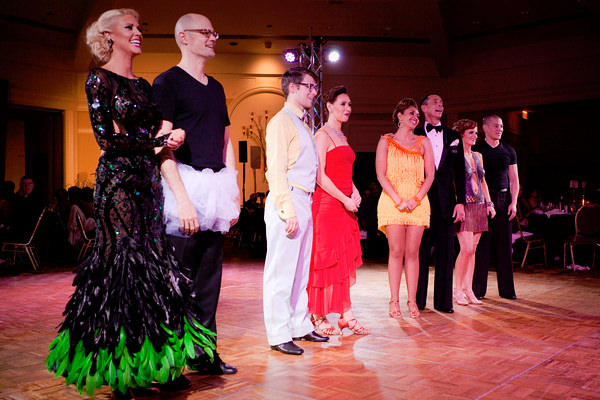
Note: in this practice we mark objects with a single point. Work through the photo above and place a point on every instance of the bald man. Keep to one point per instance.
(199, 179)
(502, 176)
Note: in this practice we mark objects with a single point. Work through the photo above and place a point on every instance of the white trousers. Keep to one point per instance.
(285, 300)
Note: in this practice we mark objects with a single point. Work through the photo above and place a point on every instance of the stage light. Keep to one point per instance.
(291, 55)
(333, 55)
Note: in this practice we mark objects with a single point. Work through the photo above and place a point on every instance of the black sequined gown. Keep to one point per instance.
(126, 324)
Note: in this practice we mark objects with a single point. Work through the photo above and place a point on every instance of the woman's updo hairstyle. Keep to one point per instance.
(401, 107)
(462, 125)
(331, 96)
(99, 45)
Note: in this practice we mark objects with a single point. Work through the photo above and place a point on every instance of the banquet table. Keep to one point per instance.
(555, 226)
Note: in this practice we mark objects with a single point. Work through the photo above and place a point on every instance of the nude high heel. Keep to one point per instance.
(413, 309)
(472, 298)
(395, 309)
(460, 299)
(355, 327)
(321, 322)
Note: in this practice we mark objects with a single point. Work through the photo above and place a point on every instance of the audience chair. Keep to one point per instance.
(532, 242)
(27, 248)
(587, 231)
(88, 242)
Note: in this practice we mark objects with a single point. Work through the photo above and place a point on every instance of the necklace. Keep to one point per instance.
(340, 134)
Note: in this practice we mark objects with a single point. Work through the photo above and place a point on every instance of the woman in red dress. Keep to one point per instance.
(336, 242)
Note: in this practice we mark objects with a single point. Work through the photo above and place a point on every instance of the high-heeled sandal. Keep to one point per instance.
(460, 299)
(356, 328)
(472, 298)
(321, 322)
(395, 311)
(413, 309)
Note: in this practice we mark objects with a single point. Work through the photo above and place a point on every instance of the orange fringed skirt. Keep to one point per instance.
(406, 173)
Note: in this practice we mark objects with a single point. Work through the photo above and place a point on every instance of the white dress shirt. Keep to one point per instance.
(437, 142)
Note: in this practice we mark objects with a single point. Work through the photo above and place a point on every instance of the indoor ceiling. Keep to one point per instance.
(366, 28)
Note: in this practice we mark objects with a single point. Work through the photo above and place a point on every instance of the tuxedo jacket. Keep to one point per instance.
(448, 186)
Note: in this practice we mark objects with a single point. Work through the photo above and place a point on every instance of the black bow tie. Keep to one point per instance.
(431, 128)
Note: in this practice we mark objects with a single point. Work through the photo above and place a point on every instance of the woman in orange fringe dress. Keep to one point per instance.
(405, 170)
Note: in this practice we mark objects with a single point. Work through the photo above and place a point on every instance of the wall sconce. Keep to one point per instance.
(524, 114)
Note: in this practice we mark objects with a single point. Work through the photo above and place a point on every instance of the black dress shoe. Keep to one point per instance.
(175, 385)
(446, 310)
(479, 297)
(312, 337)
(513, 297)
(217, 366)
(203, 365)
(288, 348)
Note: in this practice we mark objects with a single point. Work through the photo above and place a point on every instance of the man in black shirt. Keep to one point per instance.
(500, 164)
(201, 192)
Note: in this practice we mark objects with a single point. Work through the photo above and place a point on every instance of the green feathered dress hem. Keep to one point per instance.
(119, 368)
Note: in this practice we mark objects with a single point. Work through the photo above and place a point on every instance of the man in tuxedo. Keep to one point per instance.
(500, 164)
(447, 199)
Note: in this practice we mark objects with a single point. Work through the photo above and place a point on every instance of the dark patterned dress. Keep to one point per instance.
(126, 324)
(476, 219)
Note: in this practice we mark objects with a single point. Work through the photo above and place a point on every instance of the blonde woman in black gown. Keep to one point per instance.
(126, 324)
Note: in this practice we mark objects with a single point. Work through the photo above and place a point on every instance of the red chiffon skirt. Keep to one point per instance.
(336, 249)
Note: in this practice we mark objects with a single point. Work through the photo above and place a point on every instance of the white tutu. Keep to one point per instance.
(215, 196)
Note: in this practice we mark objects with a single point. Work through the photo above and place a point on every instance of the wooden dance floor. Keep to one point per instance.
(544, 345)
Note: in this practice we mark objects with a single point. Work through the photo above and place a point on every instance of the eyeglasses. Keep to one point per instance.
(310, 86)
(206, 32)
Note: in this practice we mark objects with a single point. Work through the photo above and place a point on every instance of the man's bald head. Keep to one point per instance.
(189, 21)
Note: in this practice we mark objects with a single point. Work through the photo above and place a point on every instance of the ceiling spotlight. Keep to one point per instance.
(291, 55)
(333, 55)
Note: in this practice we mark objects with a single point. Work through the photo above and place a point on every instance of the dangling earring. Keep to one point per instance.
(110, 44)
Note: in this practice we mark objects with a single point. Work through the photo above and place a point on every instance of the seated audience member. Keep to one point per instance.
(73, 229)
(28, 208)
(87, 202)
(251, 203)
(7, 207)
(61, 205)
(530, 212)
(528, 204)
(7, 192)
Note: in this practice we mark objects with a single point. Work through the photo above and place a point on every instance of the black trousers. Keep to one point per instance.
(200, 258)
(440, 236)
(497, 239)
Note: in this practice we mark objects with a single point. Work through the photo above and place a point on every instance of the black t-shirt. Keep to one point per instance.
(495, 162)
(198, 109)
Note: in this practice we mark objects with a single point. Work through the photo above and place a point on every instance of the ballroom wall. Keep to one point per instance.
(482, 77)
